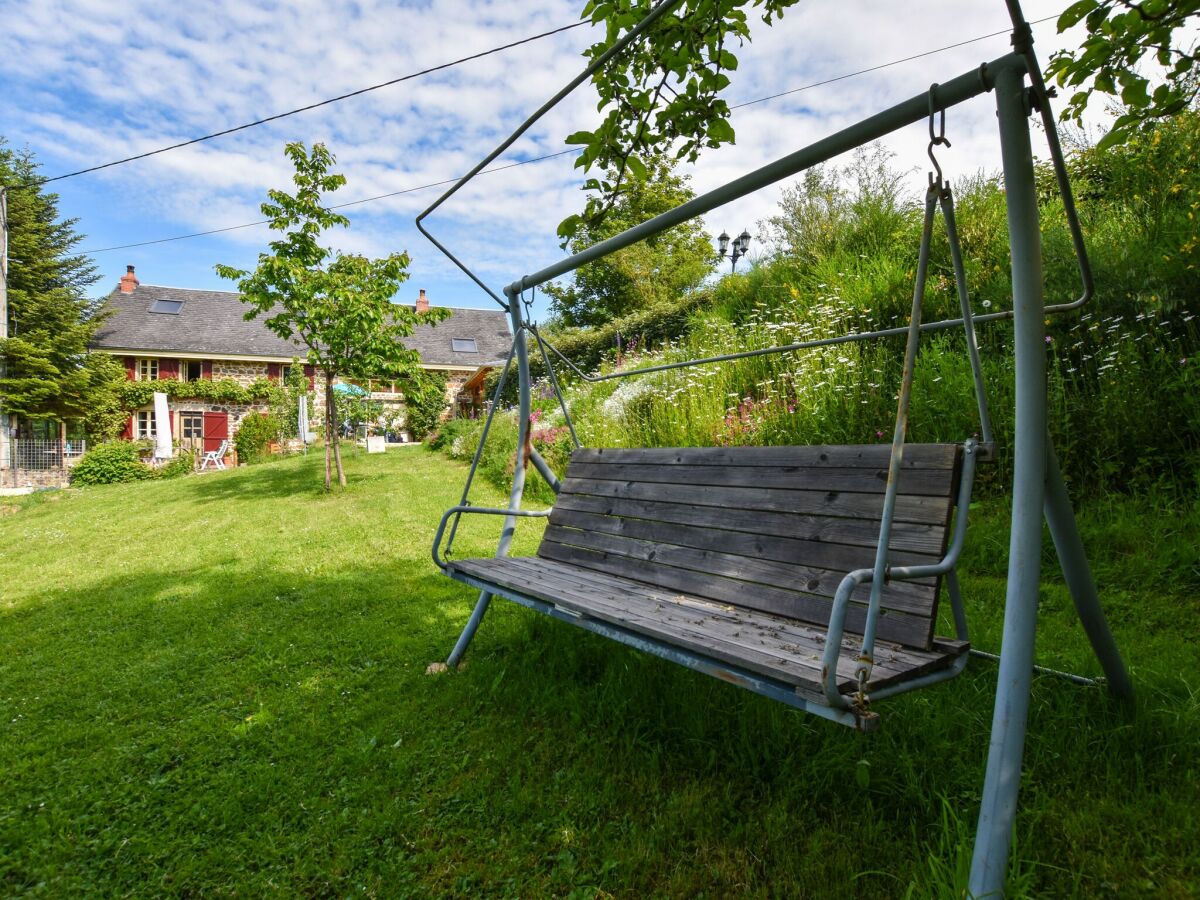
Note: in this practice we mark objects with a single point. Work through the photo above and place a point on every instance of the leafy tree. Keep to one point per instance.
(337, 305)
(1121, 34)
(108, 408)
(646, 274)
(424, 402)
(285, 400)
(47, 372)
(662, 94)
(859, 208)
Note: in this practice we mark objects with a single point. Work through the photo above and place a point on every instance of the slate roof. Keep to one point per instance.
(211, 322)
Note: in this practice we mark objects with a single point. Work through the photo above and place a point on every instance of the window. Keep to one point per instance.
(191, 430)
(191, 370)
(145, 426)
(44, 430)
(463, 345)
(169, 307)
(147, 370)
(285, 373)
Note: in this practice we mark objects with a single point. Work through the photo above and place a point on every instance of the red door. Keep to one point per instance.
(216, 429)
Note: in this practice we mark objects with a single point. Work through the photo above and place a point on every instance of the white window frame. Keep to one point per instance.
(183, 369)
(474, 345)
(147, 369)
(143, 425)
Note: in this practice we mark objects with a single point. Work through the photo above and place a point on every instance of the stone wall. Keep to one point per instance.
(34, 478)
(244, 373)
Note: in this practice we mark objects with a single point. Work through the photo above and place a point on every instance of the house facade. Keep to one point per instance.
(180, 334)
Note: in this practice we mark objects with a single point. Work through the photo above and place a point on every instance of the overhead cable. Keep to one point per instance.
(300, 109)
(526, 162)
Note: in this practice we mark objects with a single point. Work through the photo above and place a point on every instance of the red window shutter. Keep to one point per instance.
(127, 434)
(274, 370)
(168, 370)
(310, 372)
(206, 370)
(130, 368)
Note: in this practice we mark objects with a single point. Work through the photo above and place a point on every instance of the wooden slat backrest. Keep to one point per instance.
(767, 528)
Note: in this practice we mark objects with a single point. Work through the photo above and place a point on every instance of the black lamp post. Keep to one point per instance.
(741, 246)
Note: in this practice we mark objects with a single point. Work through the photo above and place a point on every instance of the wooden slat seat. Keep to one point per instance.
(735, 553)
(780, 648)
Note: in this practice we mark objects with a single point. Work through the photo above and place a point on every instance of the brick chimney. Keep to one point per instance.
(422, 300)
(128, 281)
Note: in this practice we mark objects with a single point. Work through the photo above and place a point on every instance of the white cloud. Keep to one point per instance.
(93, 80)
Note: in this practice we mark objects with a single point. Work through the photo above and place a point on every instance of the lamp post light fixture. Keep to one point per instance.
(741, 246)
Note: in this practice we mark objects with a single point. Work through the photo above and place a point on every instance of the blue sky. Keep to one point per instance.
(87, 81)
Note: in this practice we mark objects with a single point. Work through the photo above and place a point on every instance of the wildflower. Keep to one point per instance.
(987, 304)
(878, 433)
(1183, 362)
(1049, 340)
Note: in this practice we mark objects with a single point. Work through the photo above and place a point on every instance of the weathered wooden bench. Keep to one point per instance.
(727, 559)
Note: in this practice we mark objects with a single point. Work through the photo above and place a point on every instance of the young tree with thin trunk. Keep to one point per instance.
(336, 305)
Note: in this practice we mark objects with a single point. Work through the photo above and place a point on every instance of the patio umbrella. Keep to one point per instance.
(302, 420)
(163, 448)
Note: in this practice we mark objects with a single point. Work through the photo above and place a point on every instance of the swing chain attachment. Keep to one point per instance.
(936, 138)
(861, 701)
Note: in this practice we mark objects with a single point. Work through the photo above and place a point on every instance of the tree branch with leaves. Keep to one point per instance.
(1121, 36)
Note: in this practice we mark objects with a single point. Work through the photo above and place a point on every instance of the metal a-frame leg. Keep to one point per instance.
(1038, 490)
(993, 837)
(518, 485)
(1078, 575)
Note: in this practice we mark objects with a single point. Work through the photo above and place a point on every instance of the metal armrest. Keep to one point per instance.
(457, 511)
(841, 599)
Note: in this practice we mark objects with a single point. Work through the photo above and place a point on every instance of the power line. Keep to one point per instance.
(526, 162)
(311, 106)
(895, 62)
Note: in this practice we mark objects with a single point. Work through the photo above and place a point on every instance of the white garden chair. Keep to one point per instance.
(215, 457)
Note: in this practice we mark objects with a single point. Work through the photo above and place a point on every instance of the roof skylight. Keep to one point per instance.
(169, 307)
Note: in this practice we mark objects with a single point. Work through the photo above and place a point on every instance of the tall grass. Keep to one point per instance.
(1122, 380)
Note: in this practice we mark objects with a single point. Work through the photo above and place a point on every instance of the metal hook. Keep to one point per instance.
(528, 304)
(938, 138)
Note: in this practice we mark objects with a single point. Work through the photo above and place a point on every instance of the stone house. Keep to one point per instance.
(167, 333)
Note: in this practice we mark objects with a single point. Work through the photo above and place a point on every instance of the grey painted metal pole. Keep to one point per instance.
(993, 838)
(518, 485)
(1078, 574)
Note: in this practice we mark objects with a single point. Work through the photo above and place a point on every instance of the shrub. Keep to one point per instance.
(424, 402)
(113, 463)
(255, 432)
(183, 464)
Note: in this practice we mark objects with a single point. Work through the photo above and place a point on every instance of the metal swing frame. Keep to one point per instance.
(1038, 487)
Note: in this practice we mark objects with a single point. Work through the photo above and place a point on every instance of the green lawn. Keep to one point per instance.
(215, 686)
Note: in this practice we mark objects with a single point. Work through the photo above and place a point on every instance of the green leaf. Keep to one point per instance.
(720, 131)
(1073, 13)
(580, 137)
(636, 167)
